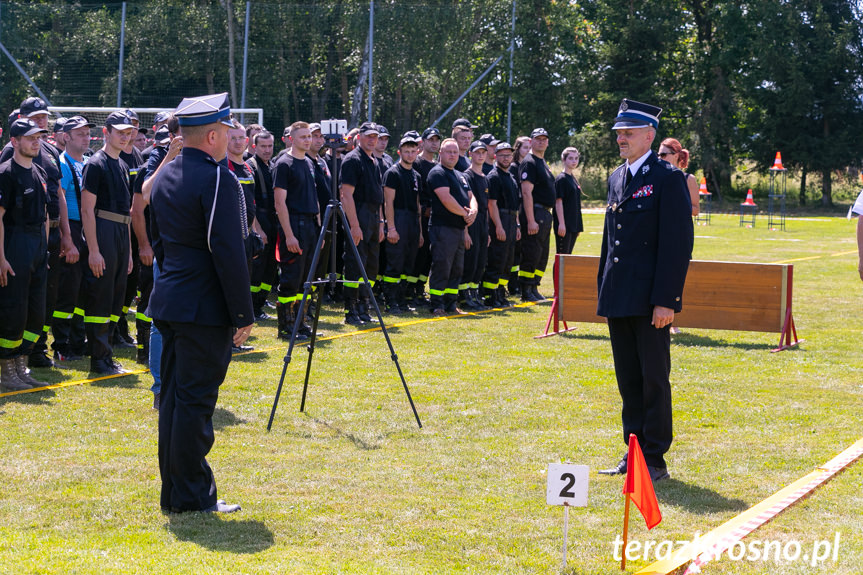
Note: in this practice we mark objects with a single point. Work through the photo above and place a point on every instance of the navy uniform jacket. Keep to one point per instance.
(647, 241)
(200, 281)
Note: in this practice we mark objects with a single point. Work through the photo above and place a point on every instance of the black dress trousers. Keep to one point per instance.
(195, 360)
(642, 363)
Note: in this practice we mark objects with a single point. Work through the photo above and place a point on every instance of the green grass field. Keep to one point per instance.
(353, 486)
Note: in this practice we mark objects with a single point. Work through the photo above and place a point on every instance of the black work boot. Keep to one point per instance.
(283, 329)
(143, 328)
(502, 300)
(9, 380)
(352, 314)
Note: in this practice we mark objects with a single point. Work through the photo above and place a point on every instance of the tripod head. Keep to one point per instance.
(334, 132)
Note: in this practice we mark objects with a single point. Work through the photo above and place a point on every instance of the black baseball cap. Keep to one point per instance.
(464, 122)
(59, 123)
(411, 137)
(76, 122)
(13, 116)
(33, 107)
(118, 120)
(25, 127)
(161, 117)
(314, 127)
(162, 135)
(132, 115)
(430, 133)
(503, 146)
(539, 132)
(477, 145)
(369, 128)
(489, 140)
(287, 132)
(383, 132)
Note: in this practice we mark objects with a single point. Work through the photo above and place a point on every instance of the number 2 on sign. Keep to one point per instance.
(567, 489)
(567, 484)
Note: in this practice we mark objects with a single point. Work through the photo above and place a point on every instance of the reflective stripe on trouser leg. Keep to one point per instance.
(447, 248)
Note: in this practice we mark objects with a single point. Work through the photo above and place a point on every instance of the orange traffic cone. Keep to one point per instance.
(702, 189)
(750, 201)
(777, 163)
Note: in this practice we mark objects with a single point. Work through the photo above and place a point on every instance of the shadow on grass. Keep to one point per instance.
(577, 335)
(691, 340)
(128, 380)
(216, 534)
(695, 498)
(355, 439)
(40, 397)
(223, 418)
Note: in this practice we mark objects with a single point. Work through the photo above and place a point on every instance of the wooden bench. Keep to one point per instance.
(718, 295)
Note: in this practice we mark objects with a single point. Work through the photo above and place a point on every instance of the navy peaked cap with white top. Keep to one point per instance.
(205, 110)
(634, 114)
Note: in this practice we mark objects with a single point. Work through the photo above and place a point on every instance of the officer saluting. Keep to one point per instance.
(646, 247)
(201, 294)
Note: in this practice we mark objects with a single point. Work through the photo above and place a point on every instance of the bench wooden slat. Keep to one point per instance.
(717, 295)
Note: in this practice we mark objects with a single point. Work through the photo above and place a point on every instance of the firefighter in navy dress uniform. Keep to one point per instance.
(201, 294)
(23, 255)
(646, 247)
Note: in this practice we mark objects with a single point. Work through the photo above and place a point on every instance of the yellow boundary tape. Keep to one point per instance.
(816, 257)
(705, 548)
(269, 349)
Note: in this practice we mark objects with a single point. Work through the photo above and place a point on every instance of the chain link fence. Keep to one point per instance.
(296, 61)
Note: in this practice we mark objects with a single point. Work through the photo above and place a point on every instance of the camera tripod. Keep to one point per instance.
(333, 215)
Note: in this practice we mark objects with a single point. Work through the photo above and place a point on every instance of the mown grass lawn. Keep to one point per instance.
(353, 486)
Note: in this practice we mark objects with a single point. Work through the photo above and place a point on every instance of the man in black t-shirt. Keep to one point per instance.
(462, 133)
(105, 209)
(453, 209)
(476, 254)
(426, 160)
(246, 178)
(23, 259)
(362, 200)
(503, 205)
(60, 244)
(537, 196)
(296, 202)
(402, 186)
(134, 160)
(264, 268)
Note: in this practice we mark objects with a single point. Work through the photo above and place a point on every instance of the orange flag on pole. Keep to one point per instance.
(638, 485)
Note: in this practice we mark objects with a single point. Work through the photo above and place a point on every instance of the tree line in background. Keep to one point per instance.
(738, 80)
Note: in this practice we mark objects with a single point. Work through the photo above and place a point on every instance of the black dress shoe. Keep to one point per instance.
(39, 359)
(241, 348)
(619, 469)
(658, 473)
(106, 367)
(222, 507)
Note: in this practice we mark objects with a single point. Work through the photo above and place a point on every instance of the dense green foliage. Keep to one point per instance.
(738, 80)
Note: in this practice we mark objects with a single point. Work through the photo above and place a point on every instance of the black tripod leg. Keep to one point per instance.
(314, 336)
(297, 326)
(328, 214)
(393, 355)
